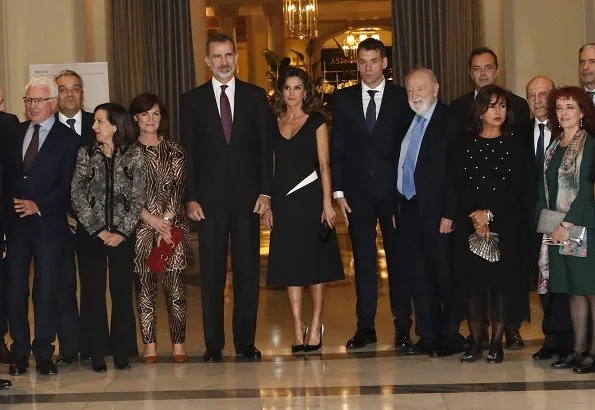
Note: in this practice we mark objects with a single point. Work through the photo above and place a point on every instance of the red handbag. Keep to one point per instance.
(160, 254)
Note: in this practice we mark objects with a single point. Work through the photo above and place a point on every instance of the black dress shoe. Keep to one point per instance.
(495, 355)
(5, 383)
(471, 355)
(98, 364)
(250, 353)
(212, 356)
(420, 348)
(587, 366)
(514, 341)
(544, 353)
(46, 367)
(5, 354)
(361, 338)
(571, 361)
(121, 364)
(66, 359)
(18, 366)
(402, 340)
(85, 357)
(308, 348)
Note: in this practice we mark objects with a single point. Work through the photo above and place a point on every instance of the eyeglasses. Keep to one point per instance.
(37, 101)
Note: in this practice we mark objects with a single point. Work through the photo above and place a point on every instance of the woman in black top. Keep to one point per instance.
(108, 194)
(490, 182)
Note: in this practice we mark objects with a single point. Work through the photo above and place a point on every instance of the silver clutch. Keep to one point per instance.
(549, 220)
(486, 248)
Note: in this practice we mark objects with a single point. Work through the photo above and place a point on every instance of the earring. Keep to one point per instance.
(581, 124)
(481, 117)
(304, 97)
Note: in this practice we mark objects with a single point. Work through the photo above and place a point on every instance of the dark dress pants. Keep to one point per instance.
(242, 229)
(33, 239)
(95, 260)
(557, 324)
(3, 299)
(366, 210)
(68, 312)
(424, 260)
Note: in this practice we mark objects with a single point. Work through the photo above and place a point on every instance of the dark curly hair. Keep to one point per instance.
(118, 116)
(310, 102)
(143, 103)
(480, 105)
(584, 103)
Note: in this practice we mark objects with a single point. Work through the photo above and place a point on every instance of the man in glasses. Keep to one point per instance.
(40, 158)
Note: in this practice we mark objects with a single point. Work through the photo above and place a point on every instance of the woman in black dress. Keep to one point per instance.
(299, 256)
(490, 182)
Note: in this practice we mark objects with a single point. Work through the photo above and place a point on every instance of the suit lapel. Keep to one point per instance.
(358, 107)
(385, 104)
(238, 111)
(214, 111)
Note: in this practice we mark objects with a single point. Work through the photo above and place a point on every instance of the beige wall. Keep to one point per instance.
(537, 37)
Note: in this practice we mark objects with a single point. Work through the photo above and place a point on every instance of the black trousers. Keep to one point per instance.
(557, 324)
(68, 312)
(95, 260)
(424, 259)
(366, 210)
(3, 299)
(214, 232)
(33, 239)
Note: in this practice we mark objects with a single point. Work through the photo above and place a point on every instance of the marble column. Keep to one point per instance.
(274, 13)
(198, 21)
(257, 35)
(227, 20)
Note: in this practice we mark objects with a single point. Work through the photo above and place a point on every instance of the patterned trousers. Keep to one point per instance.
(175, 297)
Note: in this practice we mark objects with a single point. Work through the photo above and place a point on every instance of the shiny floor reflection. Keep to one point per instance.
(375, 378)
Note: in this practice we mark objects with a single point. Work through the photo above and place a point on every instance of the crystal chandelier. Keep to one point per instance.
(300, 18)
(353, 39)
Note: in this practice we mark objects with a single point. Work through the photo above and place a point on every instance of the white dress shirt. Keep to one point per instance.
(78, 117)
(547, 136)
(230, 91)
(365, 101)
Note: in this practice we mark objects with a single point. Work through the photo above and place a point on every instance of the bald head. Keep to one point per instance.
(538, 88)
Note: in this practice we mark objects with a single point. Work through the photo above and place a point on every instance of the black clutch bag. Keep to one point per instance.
(324, 231)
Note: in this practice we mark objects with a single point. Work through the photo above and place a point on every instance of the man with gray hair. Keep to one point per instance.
(425, 207)
(40, 155)
(586, 68)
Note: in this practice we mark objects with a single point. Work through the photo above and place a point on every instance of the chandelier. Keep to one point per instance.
(300, 18)
(353, 39)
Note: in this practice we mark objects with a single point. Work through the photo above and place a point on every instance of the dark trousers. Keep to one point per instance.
(242, 228)
(365, 212)
(3, 299)
(424, 260)
(32, 239)
(68, 312)
(557, 324)
(95, 259)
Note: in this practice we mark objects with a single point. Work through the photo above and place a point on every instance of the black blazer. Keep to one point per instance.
(87, 137)
(219, 174)
(46, 182)
(461, 110)
(7, 124)
(435, 196)
(362, 163)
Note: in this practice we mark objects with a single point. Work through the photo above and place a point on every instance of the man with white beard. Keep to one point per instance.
(425, 208)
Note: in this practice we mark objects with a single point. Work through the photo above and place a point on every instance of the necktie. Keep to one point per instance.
(32, 149)
(71, 122)
(226, 120)
(539, 155)
(371, 112)
(411, 157)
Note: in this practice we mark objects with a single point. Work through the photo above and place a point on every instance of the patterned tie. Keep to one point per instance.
(32, 149)
(71, 122)
(371, 112)
(226, 120)
(411, 157)
(539, 154)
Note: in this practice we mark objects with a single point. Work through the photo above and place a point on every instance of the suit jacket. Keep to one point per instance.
(7, 124)
(362, 163)
(461, 109)
(87, 137)
(219, 174)
(46, 182)
(435, 196)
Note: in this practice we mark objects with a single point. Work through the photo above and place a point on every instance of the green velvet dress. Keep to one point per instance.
(571, 274)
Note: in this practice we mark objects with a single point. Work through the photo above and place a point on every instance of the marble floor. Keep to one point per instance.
(375, 378)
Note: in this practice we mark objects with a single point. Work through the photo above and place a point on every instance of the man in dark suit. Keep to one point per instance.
(226, 127)
(586, 68)
(369, 121)
(425, 215)
(40, 161)
(7, 122)
(70, 113)
(556, 324)
(483, 68)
